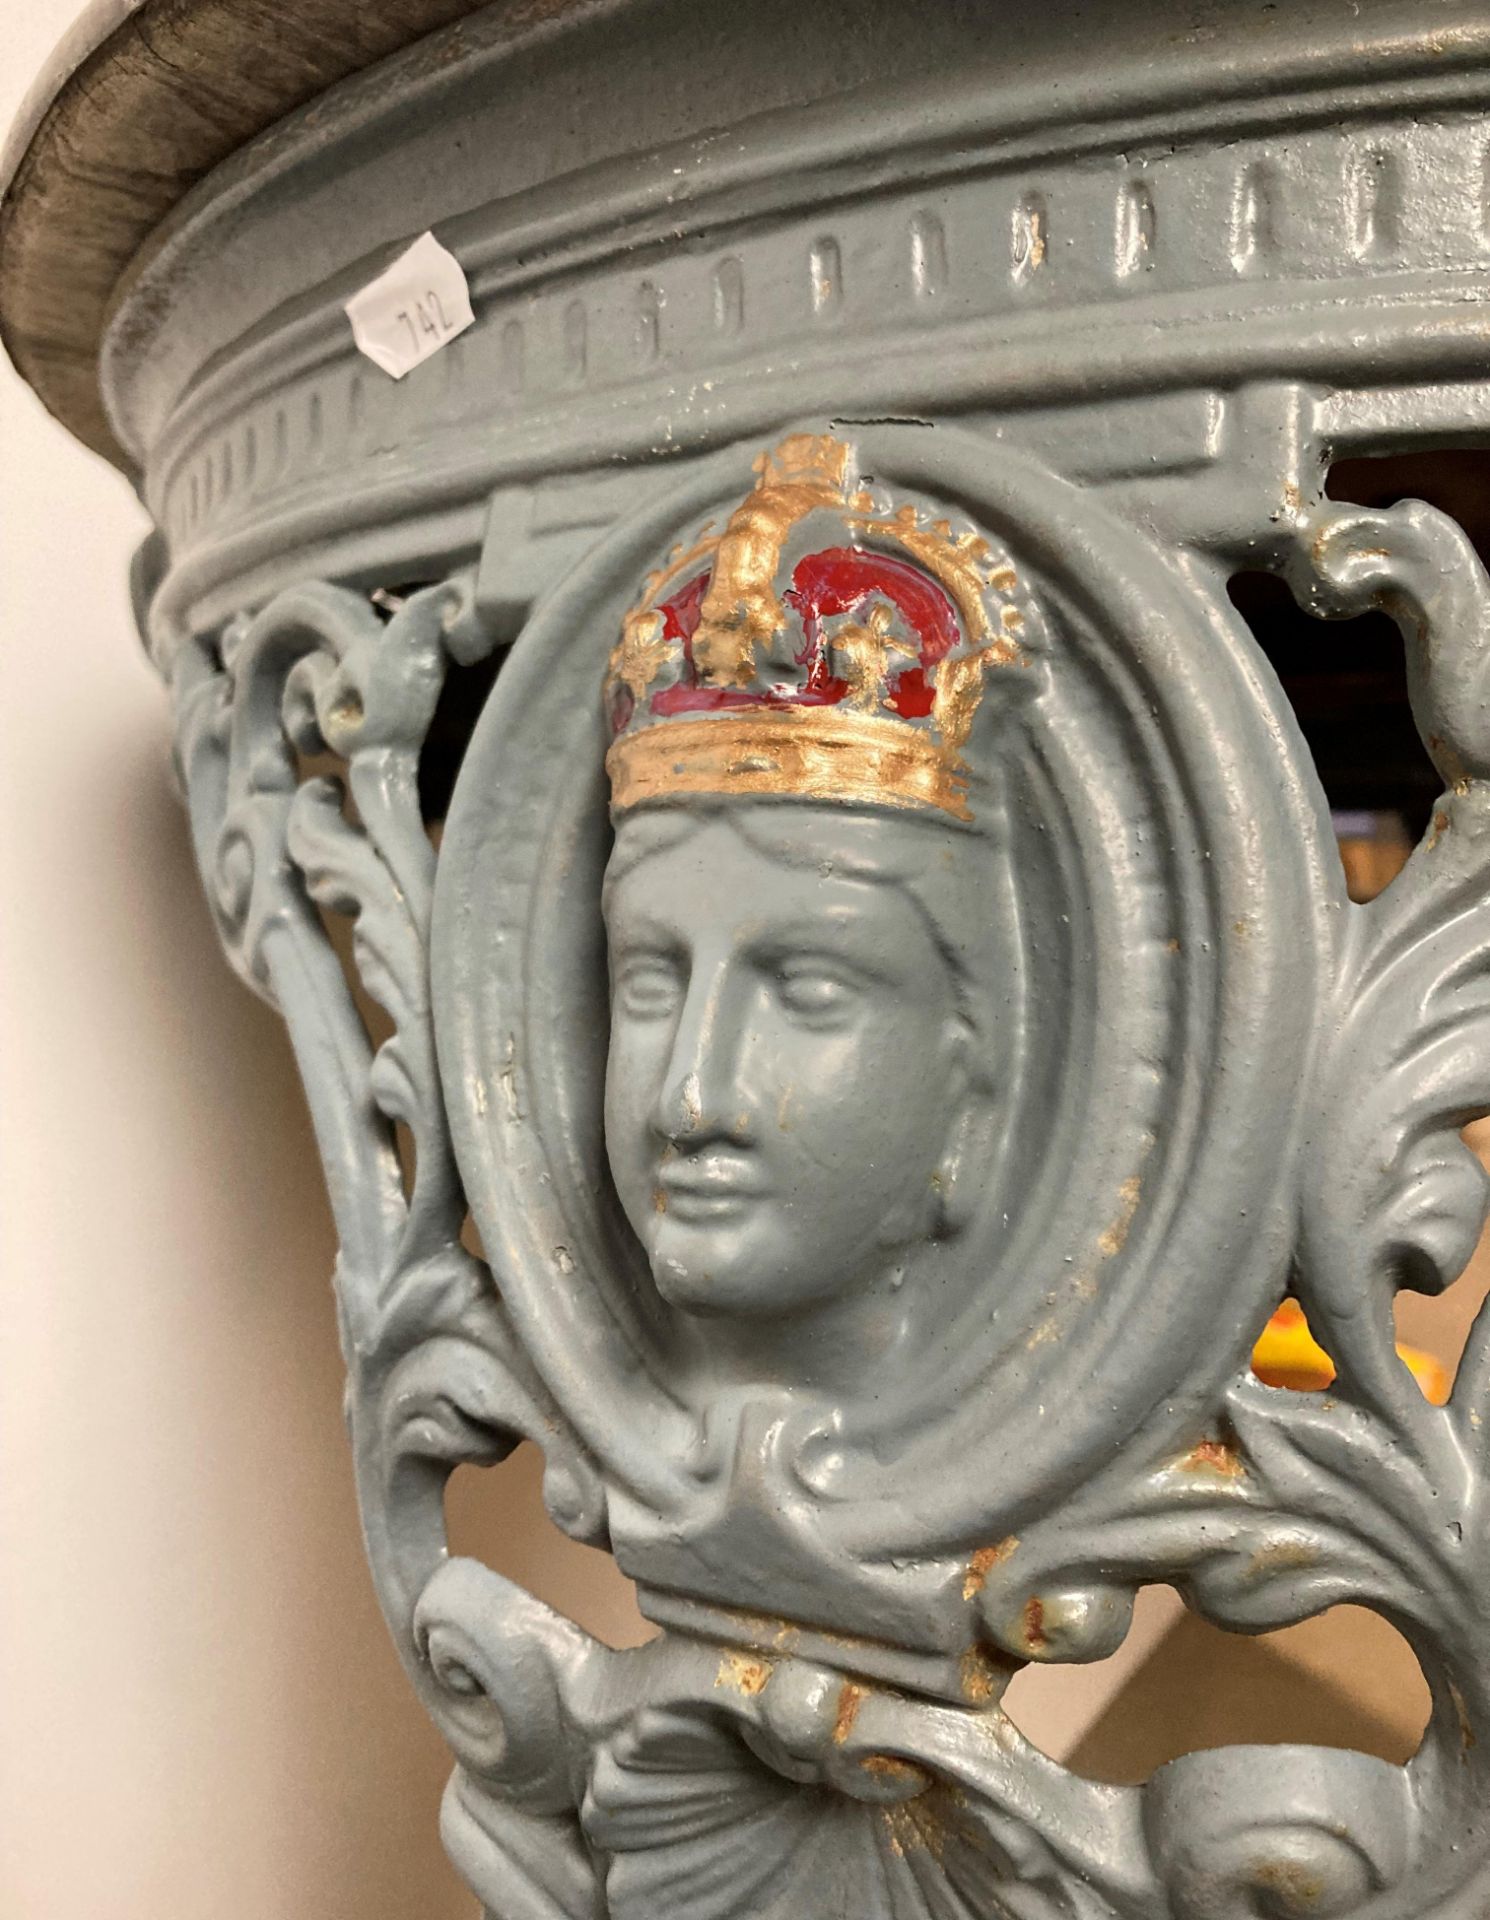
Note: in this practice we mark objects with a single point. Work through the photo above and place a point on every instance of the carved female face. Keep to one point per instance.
(788, 1060)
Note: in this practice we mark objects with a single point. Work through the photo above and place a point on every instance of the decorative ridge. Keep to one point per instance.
(602, 215)
(56, 297)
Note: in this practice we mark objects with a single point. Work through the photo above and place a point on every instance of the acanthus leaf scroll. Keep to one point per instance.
(1148, 891)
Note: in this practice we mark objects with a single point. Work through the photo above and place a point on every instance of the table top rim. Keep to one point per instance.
(128, 72)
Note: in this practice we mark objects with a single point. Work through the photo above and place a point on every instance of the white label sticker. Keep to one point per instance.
(412, 309)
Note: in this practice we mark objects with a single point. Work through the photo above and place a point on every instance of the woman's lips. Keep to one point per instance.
(708, 1188)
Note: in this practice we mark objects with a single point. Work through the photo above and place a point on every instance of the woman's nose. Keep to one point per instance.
(701, 1097)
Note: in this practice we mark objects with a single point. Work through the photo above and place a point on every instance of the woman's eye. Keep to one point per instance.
(813, 992)
(648, 988)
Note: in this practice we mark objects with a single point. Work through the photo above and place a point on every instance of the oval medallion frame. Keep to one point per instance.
(1166, 841)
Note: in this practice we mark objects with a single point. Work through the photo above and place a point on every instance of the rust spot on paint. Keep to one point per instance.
(347, 713)
(1112, 1239)
(1440, 826)
(850, 1699)
(758, 1628)
(1279, 1556)
(920, 1825)
(1214, 1456)
(1296, 1884)
(982, 1564)
(902, 1832)
(1035, 1636)
(742, 1674)
(904, 1772)
(659, 1200)
(981, 1679)
(1450, 762)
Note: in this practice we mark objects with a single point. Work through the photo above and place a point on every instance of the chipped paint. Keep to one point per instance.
(914, 1828)
(981, 1680)
(1216, 1457)
(850, 1699)
(905, 1773)
(743, 1673)
(1300, 1887)
(1449, 761)
(508, 1078)
(1279, 1556)
(982, 1564)
(1033, 1625)
(1113, 1238)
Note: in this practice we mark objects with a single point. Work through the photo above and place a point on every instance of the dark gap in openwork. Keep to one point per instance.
(458, 709)
(462, 696)
(1347, 680)
(1347, 683)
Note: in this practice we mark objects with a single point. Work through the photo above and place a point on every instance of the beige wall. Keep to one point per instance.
(200, 1714)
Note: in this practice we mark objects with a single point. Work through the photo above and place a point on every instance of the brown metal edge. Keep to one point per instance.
(128, 116)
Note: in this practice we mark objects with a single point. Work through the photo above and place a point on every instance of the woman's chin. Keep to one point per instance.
(725, 1268)
(704, 1270)
(736, 1272)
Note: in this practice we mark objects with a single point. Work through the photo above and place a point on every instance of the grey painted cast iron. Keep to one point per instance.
(885, 990)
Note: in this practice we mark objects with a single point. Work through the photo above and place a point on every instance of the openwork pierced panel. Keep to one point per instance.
(888, 998)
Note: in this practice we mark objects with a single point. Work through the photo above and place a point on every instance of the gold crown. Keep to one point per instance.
(825, 645)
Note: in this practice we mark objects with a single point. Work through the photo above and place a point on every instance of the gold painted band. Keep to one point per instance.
(805, 753)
